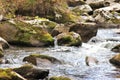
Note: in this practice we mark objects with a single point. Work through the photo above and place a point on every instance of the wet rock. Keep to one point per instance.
(60, 29)
(31, 72)
(43, 23)
(74, 3)
(69, 39)
(116, 48)
(4, 43)
(86, 30)
(99, 4)
(115, 60)
(82, 9)
(36, 58)
(90, 60)
(59, 78)
(8, 74)
(20, 33)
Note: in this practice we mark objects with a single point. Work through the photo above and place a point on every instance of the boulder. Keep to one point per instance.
(29, 71)
(42, 22)
(21, 33)
(60, 28)
(69, 39)
(36, 58)
(116, 48)
(8, 74)
(59, 78)
(73, 3)
(115, 60)
(82, 9)
(86, 30)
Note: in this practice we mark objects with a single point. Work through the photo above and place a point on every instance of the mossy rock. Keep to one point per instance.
(20, 33)
(33, 58)
(60, 78)
(31, 72)
(8, 74)
(69, 39)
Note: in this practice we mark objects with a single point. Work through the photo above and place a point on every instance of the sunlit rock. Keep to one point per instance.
(21, 33)
(86, 30)
(115, 60)
(69, 39)
(37, 59)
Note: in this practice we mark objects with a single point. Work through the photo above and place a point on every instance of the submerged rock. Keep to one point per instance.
(116, 48)
(86, 30)
(32, 72)
(35, 59)
(20, 33)
(69, 39)
(59, 78)
(115, 60)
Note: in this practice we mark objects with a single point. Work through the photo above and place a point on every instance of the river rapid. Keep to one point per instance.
(73, 58)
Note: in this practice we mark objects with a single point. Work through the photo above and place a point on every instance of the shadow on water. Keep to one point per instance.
(73, 58)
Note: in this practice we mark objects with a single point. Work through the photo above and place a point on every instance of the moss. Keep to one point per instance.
(8, 74)
(52, 59)
(60, 78)
(27, 32)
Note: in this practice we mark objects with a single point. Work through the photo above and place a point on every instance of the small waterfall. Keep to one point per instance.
(55, 43)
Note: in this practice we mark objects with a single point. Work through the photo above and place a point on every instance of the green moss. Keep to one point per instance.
(27, 32)
(52, 59)
(8, 74)
(60, 78)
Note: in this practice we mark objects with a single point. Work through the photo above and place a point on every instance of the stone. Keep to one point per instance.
(36, 58)
(8, 74)
(85, 30)
(115, 60)
(116, 48)
(24, 34)
(29, 71)
(69, 39)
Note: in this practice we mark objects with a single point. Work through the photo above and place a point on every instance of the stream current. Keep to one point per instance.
(73, 58)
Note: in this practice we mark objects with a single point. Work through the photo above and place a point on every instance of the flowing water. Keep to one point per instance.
(73, 58)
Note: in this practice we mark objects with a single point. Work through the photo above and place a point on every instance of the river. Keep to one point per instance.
(73, 58)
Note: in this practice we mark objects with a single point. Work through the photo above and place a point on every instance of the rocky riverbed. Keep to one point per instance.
(59, 39)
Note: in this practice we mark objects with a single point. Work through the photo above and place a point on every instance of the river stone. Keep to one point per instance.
(73, 3)
(115, 60)
(20, 33)
(4, 43)
(116, 48)
(8, 74)
(37, 59)
(86, 30)
(31, 72)
(59, 78)
(69, 39)
(60, 29)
